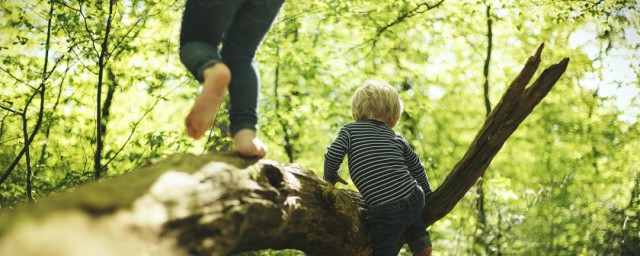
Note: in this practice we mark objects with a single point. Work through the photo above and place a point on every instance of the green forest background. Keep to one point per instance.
(93, 89)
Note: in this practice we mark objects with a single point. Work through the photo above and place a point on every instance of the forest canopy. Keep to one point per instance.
(94, 89)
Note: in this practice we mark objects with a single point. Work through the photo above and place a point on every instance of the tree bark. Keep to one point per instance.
(216, 204)
(514, 106)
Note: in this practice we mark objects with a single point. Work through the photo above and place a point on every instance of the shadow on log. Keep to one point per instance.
(217, 204)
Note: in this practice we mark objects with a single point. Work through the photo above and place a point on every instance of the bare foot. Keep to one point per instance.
(424, 252)
(247, 144)
(203, 112)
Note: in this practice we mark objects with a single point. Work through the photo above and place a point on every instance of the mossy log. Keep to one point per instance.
(217, 204)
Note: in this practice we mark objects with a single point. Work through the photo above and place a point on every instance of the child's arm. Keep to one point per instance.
(334, 156)
(416, 168)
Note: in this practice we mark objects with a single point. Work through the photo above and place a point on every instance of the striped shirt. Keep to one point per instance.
(382, 165)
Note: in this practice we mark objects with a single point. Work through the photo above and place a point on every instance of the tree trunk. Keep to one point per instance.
(215, 204)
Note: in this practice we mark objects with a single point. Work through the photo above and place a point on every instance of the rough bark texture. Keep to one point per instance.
(514, 106)
(215, 204)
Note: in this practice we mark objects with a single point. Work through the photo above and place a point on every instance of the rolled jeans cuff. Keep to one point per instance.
(200, 71)
(420, 243)
(235, 128)
(198, 56)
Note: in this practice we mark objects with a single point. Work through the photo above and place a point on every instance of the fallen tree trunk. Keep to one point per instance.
(217, 204)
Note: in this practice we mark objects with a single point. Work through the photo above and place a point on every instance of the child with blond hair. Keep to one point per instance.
(385, 170)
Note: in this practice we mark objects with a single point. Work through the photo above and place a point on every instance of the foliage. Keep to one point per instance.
(569, 173)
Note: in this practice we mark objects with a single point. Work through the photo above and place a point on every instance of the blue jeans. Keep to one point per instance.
(389, 222)
(240, 26)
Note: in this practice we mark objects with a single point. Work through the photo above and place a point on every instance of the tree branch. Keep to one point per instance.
(28, 142)
(41, 90)
(102, 61)
(402, 17)
(10, 110)
(482, 223)
(513, 108)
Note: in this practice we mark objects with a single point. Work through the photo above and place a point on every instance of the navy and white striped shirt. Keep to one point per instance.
(381, 164)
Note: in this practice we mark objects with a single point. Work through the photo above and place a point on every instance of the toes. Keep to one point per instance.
(192, 131)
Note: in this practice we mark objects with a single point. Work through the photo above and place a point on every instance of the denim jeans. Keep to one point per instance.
(389, 222)
(240, 26)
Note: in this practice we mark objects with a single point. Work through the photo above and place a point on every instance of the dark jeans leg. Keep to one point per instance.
(416, 234)
(241, 26)
(386, 228)
(251, 23)
(204, 23)
(389, 222)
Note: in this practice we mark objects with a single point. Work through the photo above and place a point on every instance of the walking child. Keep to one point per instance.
(385, 170)
(239, 26)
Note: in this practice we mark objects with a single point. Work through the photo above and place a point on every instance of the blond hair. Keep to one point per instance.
(375, 99)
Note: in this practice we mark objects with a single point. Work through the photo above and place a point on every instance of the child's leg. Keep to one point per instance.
(416, 234)
(248, 144)
(201, 33)
(385, 235)
(418, 238)
(424, 252)
(240, 44)
(387, 224)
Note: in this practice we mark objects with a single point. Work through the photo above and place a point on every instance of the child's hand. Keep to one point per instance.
(341, 180)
